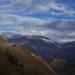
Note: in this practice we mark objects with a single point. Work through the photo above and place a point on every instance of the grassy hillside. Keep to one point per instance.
(15, 60)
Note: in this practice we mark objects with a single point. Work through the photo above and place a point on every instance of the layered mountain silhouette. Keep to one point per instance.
(40, 45)
(59, 58)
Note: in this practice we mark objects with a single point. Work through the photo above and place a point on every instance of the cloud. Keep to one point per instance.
(61, 30)
(14, 19)
(29, 7)
(69, 11)
(18, 23)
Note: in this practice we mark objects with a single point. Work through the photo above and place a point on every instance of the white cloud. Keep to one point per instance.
(31, 5)
(6, 19)
(57, 13)
(59, 30)
(34, 6)
(40, 8)
(18, 23)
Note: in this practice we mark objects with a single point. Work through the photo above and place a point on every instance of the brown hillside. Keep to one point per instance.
(15, 60)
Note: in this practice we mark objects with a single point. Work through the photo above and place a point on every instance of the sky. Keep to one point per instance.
(51, 18)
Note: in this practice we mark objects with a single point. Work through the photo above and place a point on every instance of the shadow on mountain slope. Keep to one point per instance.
(15, 60)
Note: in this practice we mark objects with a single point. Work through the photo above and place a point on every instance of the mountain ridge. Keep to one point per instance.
(19, 61)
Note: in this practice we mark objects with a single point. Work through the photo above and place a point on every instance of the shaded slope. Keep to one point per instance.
(15, 60)
(42, 46)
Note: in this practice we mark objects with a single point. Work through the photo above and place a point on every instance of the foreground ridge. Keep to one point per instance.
(15, 60)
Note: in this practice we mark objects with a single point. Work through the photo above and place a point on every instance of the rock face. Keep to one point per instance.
(16, 60)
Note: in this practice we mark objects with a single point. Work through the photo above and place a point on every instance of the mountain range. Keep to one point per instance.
(58, 56)
(16, 60)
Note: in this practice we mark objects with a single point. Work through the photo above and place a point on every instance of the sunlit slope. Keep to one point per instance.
(15, 60)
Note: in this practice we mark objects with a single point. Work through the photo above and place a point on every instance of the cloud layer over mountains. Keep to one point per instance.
(59, 30)
(52, 18)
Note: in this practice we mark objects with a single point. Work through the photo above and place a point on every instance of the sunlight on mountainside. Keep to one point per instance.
(14, 60)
